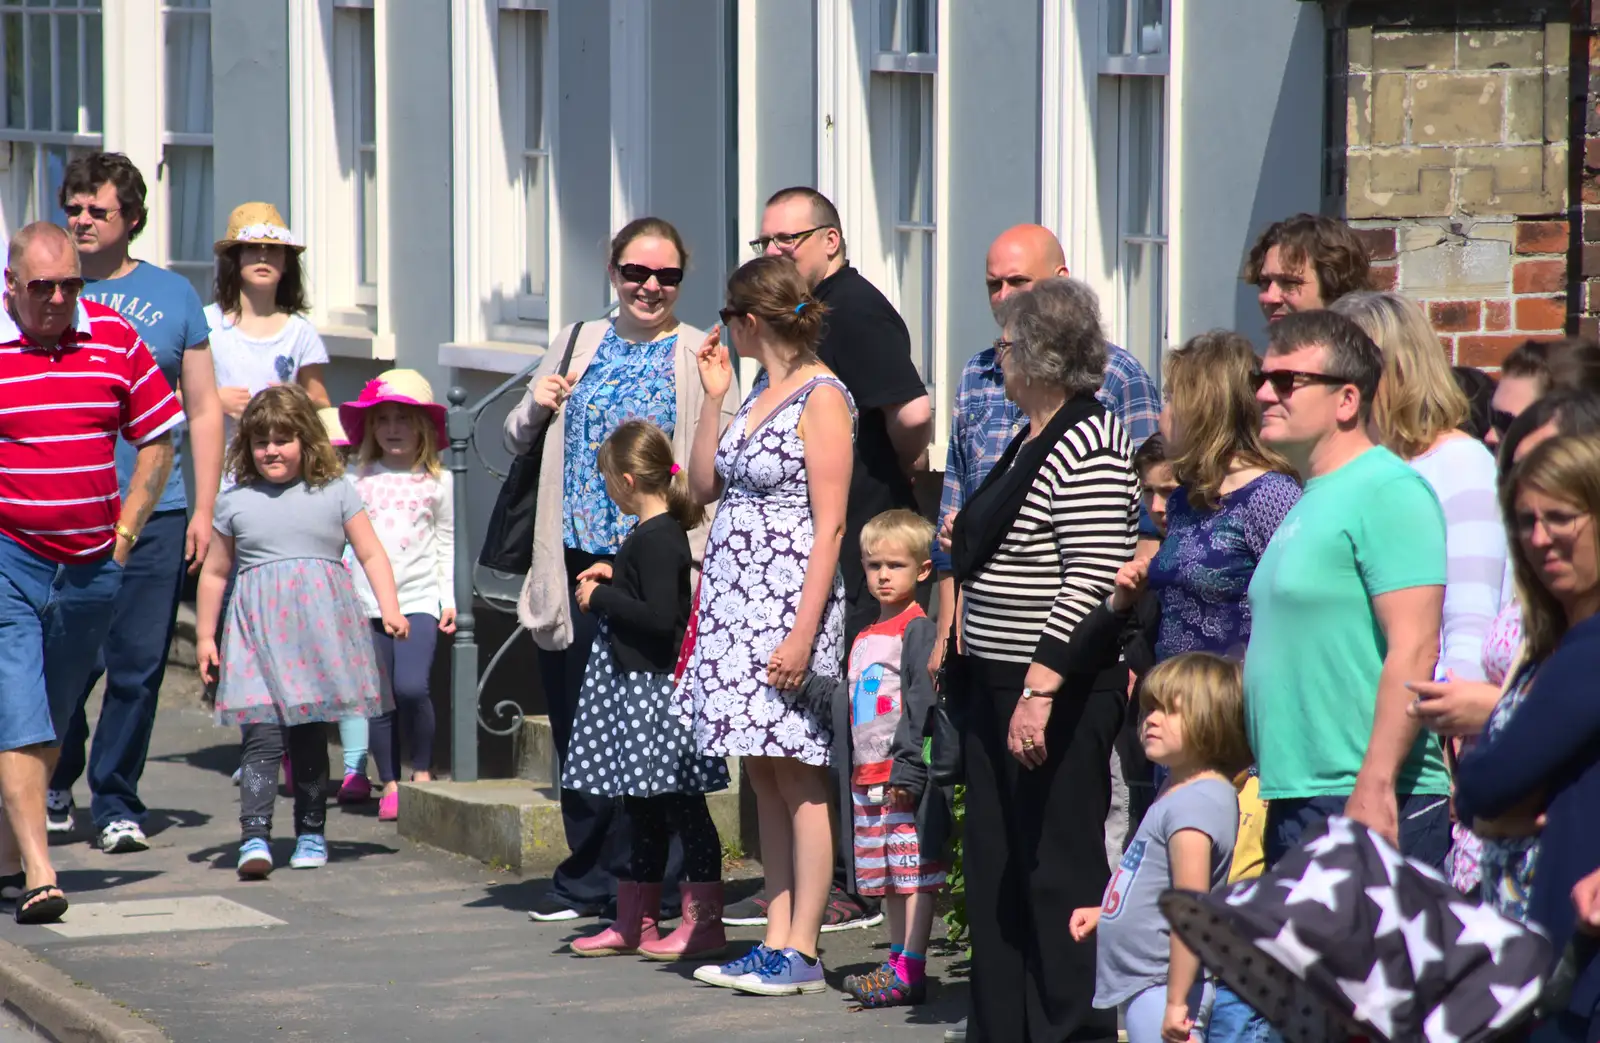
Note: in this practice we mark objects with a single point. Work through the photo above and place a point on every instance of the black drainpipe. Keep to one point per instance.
(1579, 322)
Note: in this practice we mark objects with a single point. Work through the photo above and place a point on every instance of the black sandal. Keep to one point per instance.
(33, 909)
(12, 885)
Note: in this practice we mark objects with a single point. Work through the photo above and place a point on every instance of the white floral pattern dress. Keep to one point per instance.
(755, 563)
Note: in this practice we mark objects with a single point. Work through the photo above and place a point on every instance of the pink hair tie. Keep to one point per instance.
(676, 468)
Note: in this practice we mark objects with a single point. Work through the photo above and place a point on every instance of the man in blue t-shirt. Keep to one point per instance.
(103, 196)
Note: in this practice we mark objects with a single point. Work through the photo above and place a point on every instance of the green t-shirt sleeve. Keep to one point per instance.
(1400, 536)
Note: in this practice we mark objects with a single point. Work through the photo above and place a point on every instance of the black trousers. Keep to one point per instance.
(1034, 851)
(598, 835)
(264, 746)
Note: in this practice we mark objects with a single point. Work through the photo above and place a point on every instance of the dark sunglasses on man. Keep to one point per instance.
(1286, 382)
(99, 213)
(640, 274)
(45, 289)
(1500, 420)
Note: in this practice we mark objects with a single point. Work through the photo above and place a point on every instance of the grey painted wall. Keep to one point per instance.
(419, 205)
(583, 158)
(1266, 161)
(250, 85)
(785, 92)
(991, 60)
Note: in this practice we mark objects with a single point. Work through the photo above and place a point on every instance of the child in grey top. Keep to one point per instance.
(1194, 725)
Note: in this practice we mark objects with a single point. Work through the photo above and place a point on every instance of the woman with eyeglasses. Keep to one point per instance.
(1531, 784)
(639, 365)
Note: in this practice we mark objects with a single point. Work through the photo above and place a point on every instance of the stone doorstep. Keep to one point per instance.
(509, 823)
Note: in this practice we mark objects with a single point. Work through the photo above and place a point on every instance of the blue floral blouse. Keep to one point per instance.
(1507, 864)
(1202, 572)
(624, 381)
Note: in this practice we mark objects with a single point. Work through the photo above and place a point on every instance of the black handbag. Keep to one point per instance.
(947, 717)
(508, 541)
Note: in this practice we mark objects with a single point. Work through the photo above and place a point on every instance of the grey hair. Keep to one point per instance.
(27, 235)
(1056, 336)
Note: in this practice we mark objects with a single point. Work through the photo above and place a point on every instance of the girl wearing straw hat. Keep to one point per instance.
(398, 428)
(259, 333)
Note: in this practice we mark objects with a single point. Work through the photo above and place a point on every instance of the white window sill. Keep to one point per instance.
(354, 342)
(490, 356)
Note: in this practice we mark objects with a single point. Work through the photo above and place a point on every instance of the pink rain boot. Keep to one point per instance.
(699, 933)
(638, 905)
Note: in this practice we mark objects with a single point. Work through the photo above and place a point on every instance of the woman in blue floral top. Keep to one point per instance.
(640, 365)
(1233, 491)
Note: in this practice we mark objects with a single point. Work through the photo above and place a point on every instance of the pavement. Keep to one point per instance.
(391, 941)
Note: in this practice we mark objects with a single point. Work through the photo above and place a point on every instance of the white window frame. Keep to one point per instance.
(526, 305)
(197, 269)
(81, 139)
(324, 188)
(492, 316)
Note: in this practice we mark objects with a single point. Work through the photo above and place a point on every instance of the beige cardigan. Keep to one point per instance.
(543, 606)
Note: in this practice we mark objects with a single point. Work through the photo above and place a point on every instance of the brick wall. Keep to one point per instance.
(1456, 163)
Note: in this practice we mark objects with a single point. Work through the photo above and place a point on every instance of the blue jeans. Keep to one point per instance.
(49, 614)
(134, 662)
(1235, 1021)
(1424, 825)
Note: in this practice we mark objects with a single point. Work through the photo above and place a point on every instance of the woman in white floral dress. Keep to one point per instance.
(771, 605)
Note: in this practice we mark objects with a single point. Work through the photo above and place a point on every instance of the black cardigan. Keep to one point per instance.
(646, 604)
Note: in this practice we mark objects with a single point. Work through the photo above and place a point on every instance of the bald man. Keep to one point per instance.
(77, 376)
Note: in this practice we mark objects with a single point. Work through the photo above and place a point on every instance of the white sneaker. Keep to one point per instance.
(121, 837)
(58, 811)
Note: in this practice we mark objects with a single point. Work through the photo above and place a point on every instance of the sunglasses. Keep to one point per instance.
(99, 213)
(45, 289)
(729, 314)
(785, 240)
(641, 274)
(1002, 347)
(1500, 420)
(1286, 382)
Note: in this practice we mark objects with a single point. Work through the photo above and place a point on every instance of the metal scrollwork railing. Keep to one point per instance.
(466, 683)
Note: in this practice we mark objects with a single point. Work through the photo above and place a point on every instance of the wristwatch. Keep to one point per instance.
(126, 533)
(1034, 693)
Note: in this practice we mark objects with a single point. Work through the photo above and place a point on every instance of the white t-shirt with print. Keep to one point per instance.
(258, 363)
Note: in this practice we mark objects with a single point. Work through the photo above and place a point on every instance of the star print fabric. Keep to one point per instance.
(1345, 936)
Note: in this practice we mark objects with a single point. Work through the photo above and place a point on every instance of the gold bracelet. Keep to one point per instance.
(126, 533)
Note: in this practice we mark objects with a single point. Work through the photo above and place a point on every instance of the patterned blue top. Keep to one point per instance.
(1507, 864)
(986, 421)
(1202, 572)
(624, 381)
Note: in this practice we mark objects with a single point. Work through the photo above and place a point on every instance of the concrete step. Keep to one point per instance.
(512, 824)
(535, 744)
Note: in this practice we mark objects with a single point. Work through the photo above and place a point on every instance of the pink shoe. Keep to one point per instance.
(389, 807)
(357, 789)
(637, 908)
(700, 933)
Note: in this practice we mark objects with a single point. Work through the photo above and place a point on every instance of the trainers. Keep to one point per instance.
(752, 912)
(356, 789)
(724, 975)
(121, 837)
(846, 913)
(885, 988)
(551, 909)
(785, 973)
(58, 809)
(310, 852)
(255, 859)
(956, 1033)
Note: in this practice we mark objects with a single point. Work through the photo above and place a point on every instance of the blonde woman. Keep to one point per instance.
(1416, 414)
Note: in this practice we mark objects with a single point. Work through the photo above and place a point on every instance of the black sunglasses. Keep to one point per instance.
(99, 213)
(728, 314)
(639, 273)
(785, 240)
(45, 289)
(1286, 381)
(1500, 420)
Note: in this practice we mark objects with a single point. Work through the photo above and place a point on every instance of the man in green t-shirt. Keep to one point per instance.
(1345, 606)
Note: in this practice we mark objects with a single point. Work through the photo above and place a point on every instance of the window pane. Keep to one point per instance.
(533, 81)
(16, 87)
(916, 296)
(1146, 155)
(367, 188)
(1152, 27)
(56, 158)
(536, 249)
(914, 124)
(188, 73)
(40, 117)
(67, 73)
(17, 186)
(1144, 300)
(1117, 27)
(908, 26)
(190, 202)
(93, 57)
(367, 127)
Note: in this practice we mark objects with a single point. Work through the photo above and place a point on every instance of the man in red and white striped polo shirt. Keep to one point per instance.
(73, 374)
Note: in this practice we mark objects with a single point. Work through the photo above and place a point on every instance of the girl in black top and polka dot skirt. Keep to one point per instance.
(626, 740)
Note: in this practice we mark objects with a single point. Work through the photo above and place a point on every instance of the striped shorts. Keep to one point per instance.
(888, 856)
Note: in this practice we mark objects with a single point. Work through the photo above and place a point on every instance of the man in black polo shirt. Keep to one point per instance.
(864, 342)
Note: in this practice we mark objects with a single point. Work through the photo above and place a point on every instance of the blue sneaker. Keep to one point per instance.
(310, 852)
(723, 976)
(255, 859)
(785, 973)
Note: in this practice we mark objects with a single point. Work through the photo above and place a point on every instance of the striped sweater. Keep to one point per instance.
(1077, 527)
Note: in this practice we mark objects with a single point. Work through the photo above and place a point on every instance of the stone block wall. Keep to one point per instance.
(1456, 136)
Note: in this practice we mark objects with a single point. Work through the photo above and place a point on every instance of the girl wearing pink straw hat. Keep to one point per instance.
(397, 428)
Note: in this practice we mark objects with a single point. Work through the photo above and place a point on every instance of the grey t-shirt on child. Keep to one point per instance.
(1134, 939)
(270, 522)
